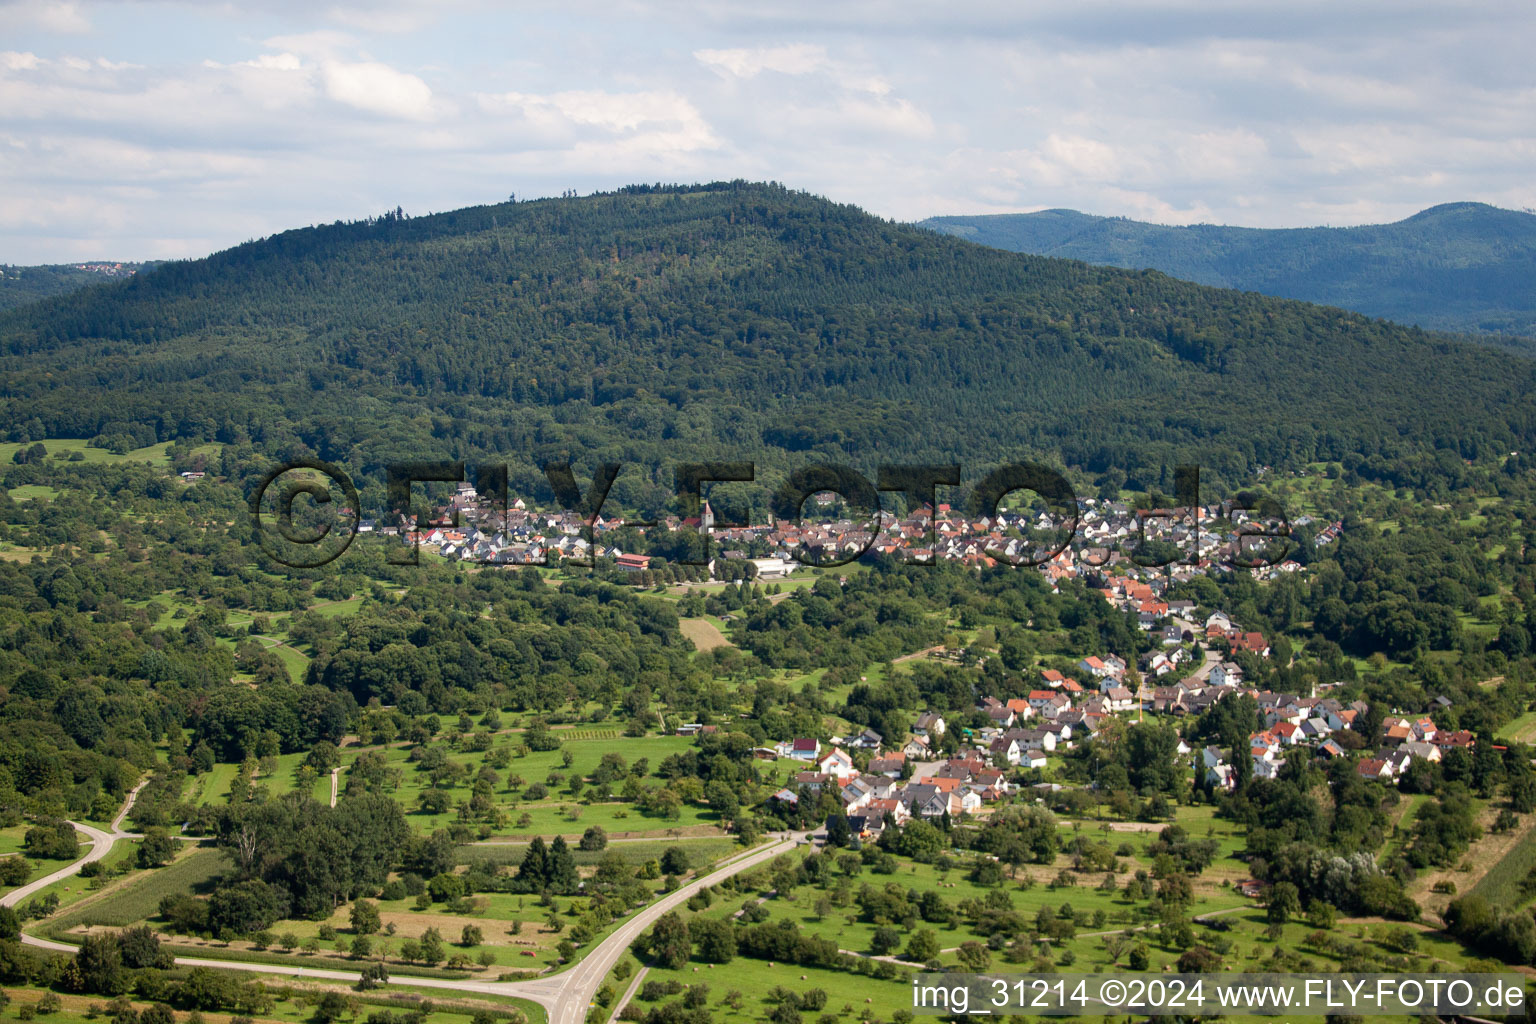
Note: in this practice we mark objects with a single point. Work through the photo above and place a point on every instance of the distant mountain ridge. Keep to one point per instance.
(1466, 267)
(21, 285)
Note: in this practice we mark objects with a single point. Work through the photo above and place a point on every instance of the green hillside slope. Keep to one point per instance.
(732, 321)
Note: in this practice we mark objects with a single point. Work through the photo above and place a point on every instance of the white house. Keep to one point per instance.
(837, 763)
(928, 723)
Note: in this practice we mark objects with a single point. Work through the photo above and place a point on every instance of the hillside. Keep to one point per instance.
(20, 285)
(732, 321)
(1457, 267)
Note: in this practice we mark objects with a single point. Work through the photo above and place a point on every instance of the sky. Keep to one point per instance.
(148, 130)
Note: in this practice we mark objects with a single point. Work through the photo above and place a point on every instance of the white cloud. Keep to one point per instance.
(626, 125)
(59, 17)
(378, 88)
(380, 19)
(795, 59)
(10, 60)
(210, 124)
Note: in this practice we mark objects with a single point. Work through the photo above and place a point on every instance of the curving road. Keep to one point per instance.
(101, 845)
(565, 997)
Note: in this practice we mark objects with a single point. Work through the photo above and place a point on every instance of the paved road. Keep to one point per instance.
(101, 845)
(1212, 657)
(568, 995)
(565, 996)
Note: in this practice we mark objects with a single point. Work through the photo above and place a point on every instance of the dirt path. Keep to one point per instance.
(917, 654)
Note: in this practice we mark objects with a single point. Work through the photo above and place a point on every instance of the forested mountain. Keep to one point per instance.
(733, 321)
(1456, 267)
(20, 285)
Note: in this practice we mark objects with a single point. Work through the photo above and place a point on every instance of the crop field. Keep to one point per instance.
(705, 634)
(138, 898)
(1501, 885)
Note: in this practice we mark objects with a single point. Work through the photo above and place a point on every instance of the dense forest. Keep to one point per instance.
(732, 321)
(1456, 267)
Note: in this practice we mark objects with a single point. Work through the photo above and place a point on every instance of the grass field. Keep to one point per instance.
(154, 454)
(558, 812)
(293, 1002)
(212, 787)
(1521, 730)
(851, 997)
(702, 851)
(33, 492)
(11, 838)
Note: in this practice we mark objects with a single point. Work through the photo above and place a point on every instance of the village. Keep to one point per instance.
(1108, 538)
(911, 779)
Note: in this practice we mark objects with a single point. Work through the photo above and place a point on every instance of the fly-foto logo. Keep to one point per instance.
(316, 530)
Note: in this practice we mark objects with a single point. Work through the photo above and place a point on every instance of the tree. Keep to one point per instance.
(52, 839)
(714, 939)
(1284, 902)
(594, 839)
(373, 976)
(99, 962)
(156, 848)
(140, 947)
(562, 867)
(533, 871)
(432, 951)
(1199, 960)
(471, 935)
(974, 956)
(885, 941)
(675, 861)
(923, 945)
(365, 917)
(245, 907)
(668, 942)
(331, 1008)
(722, 799)
(14, 871)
